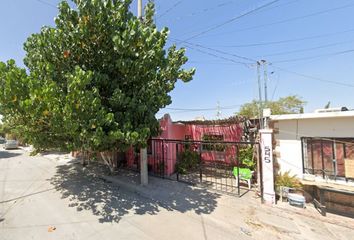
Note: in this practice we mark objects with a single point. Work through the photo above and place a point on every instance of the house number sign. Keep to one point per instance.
(267, 153)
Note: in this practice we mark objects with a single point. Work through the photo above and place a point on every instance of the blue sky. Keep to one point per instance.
(309, 45)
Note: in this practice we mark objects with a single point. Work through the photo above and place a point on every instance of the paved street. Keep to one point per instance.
(54, 198)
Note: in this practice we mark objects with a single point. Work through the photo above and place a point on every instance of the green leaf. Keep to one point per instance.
(94, 81)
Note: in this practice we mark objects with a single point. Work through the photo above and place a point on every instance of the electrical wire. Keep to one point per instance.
(314, 78)
(306, 49)
(288, 20)
(47, 3)
(285, 41)
(203, 109)
(260, 11)
(279, 5)
(211, 62)
(218, 56)
(169, 9)
(316, 138)
(313, 57)
(275, 89)
(188, 110)
(232, 20)
(215, 50)
(288, 60)
(203, 10)
(280, 68)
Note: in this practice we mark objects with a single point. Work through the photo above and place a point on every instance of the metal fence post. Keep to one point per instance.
(200, 164)
(238, 170)
(163, 158)
(260, 170)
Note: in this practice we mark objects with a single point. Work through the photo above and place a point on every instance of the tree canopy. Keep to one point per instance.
(94, 81)
(284, 105)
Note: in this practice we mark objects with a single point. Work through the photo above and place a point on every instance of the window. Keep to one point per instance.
(217, 146)
(326, 157)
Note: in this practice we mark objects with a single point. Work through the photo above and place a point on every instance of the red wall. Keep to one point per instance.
(231, 133)
(178, 131)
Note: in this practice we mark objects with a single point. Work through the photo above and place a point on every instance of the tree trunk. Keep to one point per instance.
(108, 159)
(88, 157)
(83, 162)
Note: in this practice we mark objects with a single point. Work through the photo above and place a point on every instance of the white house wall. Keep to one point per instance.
(289, 156)
(288, 135)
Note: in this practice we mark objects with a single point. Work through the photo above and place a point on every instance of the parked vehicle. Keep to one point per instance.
(2, 140)
(11, 144)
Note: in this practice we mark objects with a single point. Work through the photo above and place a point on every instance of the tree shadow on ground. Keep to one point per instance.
(5, 154)
(85, 190)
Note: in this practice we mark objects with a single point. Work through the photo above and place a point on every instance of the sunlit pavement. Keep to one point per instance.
(53, 197)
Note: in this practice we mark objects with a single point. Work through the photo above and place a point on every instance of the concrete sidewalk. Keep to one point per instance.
(158, 189)
(245, 215)
(51, 191)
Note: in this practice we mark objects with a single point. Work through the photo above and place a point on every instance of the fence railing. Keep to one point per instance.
(215, 164)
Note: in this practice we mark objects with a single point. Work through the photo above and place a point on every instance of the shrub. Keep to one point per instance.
(187, 161)
(287, 180)
(218, 146)
(245, 155)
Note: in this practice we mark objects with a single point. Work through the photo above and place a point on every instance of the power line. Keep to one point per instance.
(291, 19)
(306, 49)
(204, 10)
(47, 3)
(169, 10)
(203, 109)
(288, 60)
(220, 57)
(312, 77)
(275, 88)
(232, 20)
(285, 41)
(188, 110)
(317, 56)
(216, 50)
(211, 62)
(315, 138)
(282, 69)
(262, 10)
(250, 59)
(267, 9)
(279, 5)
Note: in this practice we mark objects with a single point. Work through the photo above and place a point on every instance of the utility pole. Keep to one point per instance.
(144, 179)
(140, 9)
(265, 72)
(260, 95)
(218, 111)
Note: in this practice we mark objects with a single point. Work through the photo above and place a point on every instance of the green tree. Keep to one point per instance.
(95, 81)
(285, 105)
(3, 130)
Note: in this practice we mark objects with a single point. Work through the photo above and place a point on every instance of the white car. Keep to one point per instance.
(11, 144)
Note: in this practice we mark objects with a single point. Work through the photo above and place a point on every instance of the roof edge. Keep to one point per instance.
(312, 115)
